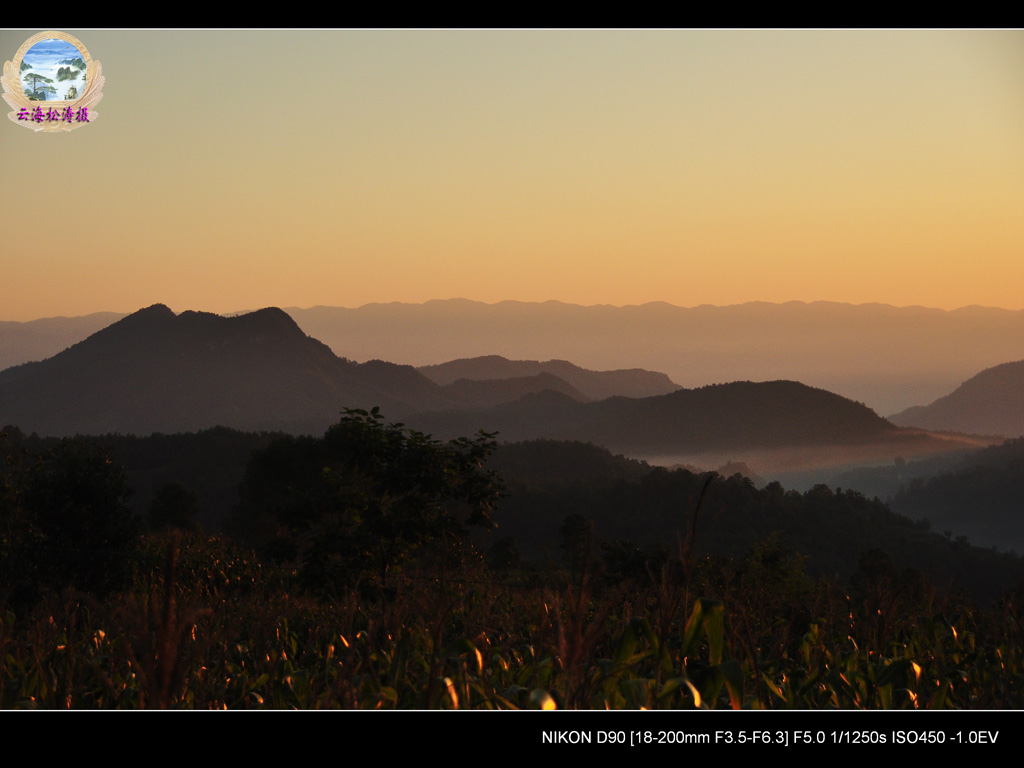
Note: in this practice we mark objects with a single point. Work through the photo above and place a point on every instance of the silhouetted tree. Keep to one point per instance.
(365, 497)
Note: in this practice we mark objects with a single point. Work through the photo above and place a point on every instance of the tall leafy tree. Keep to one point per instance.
(37, 90)
(366, 497)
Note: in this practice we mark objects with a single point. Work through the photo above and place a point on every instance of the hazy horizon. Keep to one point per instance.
(232, 169)
(229, 313)
(888, 357)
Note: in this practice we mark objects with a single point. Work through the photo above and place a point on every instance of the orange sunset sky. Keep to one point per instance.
(231, 170)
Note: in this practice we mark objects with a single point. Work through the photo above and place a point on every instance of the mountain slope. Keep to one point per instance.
(980, 496)
(990, 403)
(39, 339)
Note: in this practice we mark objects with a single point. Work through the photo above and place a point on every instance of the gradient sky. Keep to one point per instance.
(231, 170)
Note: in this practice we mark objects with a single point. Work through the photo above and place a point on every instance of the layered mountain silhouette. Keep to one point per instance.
(990, 403)
(154, 371)
(889, 357)
(593, 385)
(723, 416)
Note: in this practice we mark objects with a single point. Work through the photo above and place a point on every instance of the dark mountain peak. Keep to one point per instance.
(782, 392)
(157, 313)
(157, 371)
(271, 314)
(270, 320)
(160, 322)
(144, 323)
(155, 310)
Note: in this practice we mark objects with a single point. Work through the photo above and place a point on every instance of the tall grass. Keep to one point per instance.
(204, 626)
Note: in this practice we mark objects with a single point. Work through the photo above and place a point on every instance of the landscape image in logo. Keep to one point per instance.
(53, 70)
(53, 83)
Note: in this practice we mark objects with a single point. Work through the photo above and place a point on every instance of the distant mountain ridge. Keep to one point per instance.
(989, 403)
(40, 339)
(595, 385)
